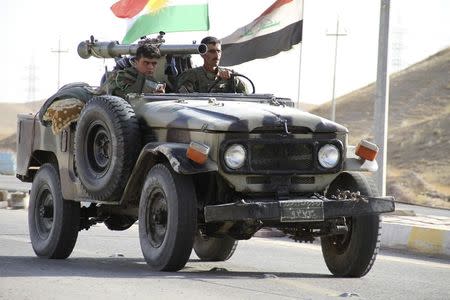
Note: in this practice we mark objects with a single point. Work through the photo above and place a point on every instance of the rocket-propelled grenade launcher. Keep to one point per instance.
(113, 49)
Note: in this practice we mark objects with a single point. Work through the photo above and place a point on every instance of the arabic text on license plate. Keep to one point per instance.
(301, 210)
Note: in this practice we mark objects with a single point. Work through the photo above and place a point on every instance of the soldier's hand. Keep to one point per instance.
(224, 74)
(161, 88)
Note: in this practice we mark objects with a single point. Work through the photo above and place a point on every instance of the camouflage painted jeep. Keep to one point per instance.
(199, 171)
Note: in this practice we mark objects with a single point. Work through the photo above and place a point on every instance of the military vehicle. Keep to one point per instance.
(197, 171)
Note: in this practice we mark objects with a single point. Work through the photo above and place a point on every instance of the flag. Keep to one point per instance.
(277, 29)
(128, 8)
(152, 16)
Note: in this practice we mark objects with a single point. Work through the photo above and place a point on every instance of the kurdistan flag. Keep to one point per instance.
(152, 16)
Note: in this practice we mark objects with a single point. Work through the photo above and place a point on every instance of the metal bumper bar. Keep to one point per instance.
(298, 210)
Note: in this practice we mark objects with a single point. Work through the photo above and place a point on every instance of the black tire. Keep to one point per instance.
(107, 144)
(167, 219)
(53, 222)
(214, 248)
(353, 254)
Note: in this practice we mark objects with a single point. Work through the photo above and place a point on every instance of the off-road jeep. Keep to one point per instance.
(198, 171)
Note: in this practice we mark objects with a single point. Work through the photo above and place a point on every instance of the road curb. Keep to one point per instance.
(418, 239)
(426, 239)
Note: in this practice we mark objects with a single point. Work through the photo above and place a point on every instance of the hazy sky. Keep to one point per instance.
(30, 31)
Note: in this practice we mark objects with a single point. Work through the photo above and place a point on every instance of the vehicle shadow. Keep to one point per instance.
(120, 267)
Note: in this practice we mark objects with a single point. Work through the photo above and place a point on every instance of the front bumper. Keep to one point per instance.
(298, 210)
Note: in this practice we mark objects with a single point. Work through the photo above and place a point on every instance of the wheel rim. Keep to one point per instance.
(44, 212)
(156, 221)
(98, 147)
(341, 241)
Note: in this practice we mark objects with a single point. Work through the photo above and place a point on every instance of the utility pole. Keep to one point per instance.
(336, 34)
(59, 51)
(381, 106)
(32, 79)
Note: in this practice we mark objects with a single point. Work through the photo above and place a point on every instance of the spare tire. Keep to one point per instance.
(107, 144)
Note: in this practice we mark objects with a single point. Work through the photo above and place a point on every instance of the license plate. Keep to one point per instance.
(301, 210)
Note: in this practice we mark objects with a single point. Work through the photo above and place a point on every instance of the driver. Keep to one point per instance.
(210, 77)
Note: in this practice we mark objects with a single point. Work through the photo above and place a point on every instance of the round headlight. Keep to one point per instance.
(235, 156)
(328, 156)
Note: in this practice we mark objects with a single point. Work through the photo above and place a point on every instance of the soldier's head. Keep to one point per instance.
(211, 58)
(147, 56)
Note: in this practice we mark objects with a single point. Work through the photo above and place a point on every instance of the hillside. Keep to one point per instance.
(419, 129)
(9, 116)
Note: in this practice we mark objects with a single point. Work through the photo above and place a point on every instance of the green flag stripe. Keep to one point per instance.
(170, 19)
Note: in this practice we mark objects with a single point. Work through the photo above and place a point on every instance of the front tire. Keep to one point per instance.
(167, 219)
(214, 248)
(353, 254)
(53, 222)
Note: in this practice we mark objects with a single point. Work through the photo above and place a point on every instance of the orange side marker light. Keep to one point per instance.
(367, 150)
(197, 152)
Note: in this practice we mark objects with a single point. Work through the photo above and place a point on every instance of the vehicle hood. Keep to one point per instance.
(232, 116)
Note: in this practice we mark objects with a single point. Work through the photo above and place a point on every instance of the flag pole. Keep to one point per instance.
(300, 59)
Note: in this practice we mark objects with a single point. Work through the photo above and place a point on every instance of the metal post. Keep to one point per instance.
(381, 106)
(300, 61)
(299, 70)
(333, 99)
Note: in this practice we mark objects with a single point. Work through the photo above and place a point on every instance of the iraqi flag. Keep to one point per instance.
(277, 29)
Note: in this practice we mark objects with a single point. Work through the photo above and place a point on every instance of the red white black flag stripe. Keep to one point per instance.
(277, 29)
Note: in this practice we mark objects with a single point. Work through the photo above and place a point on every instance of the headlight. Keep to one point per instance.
(328, 156)
(235, 156)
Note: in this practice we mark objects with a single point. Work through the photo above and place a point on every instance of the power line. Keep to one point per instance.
(32, 80)
(337, 34)
(59, 51)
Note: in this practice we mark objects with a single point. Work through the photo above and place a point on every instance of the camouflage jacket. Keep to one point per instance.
(201, 81)
(128, 80)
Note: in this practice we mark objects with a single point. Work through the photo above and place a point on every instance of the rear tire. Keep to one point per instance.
(353, 254)
(214, 248)
(53, 222)
(167, 219)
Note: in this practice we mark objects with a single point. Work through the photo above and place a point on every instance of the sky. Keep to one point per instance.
(31, 31)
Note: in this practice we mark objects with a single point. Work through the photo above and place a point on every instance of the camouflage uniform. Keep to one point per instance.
(199, 80)
(128, 80)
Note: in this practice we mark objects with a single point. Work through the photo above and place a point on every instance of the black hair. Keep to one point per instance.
(147, 50)
(210, 40)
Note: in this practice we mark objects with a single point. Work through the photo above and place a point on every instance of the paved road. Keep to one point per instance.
(109, 265)
(12, 184)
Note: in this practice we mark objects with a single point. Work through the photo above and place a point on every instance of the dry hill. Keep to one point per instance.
(9, 113)
(419, 129)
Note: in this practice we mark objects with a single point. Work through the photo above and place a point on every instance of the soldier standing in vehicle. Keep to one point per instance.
(135, 75)
(210, 77)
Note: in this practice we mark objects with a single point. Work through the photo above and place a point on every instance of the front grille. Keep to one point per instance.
(271, 156)
(281, 156)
